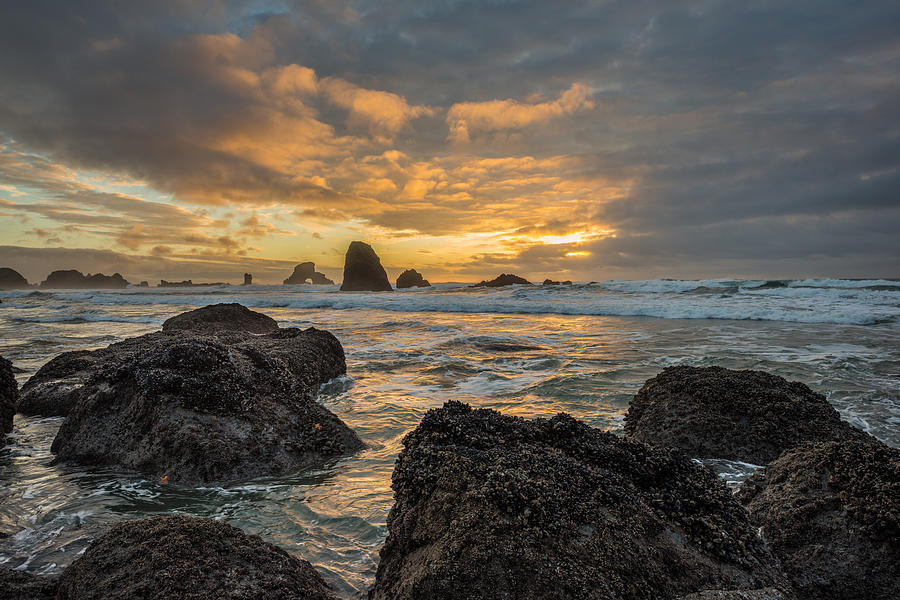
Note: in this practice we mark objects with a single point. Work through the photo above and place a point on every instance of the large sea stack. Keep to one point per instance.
(831, 513)
(363, 271)
(306, 272)
(492, 506)
(163, 558)
(751, 416)
(201, 403)
(12, 280)
(8, 393)
(411, 278)
(72, 279)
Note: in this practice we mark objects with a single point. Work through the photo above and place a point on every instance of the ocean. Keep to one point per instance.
(532, 351)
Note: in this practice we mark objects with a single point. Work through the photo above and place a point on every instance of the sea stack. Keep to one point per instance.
(72, 279)
(411, 278)
(11, 279)
(306, 271)
(248, 279)
(363, 271)
(502, 280)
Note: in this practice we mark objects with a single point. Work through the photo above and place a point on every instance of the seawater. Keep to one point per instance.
(530, 351)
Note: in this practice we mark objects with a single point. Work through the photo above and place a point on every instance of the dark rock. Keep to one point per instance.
(72, 279)
(248, 279)
(9, 390)
(12, 280)
(189, 283)
(750, 416)
(144, 284)
(363, 271)
(51, 391)
(501, 280)
(831, 512)
(491, 506)
(163, 558)
(762, 594)
(306, 271)
(411, 278)
(551, 282)
(222, 317)
(201, 406)
(19, 585)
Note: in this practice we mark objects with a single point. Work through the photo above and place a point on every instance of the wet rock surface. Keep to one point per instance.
(749, 416)
(200, 406)
(763, 594)
(183, 557)
(491, 506)
(502, 280)
(51, 391)
(19, 585)
(9, 390)
(222, 317)
(411, 278)
(306, 271)
(363, 271)
(10, 279)
(831, 512)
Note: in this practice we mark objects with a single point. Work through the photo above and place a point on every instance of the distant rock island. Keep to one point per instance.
(188, 283)
(551, 282)
(12, 280)
(306, 271)
(248, 279)
(363, 271)
(411, 278)
(501, 280)
(72, 279)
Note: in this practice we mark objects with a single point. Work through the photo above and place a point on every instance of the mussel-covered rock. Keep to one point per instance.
(221, 317)
(51, 391)
(831, 512)
(750, 416)
(9, 390)
(19, 585)
(493, 506)
(206, 406)
(183, 557)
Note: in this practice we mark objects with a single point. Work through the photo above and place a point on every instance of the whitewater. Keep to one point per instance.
(532, 351)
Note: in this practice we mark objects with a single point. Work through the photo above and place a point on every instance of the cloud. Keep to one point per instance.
(466, 119)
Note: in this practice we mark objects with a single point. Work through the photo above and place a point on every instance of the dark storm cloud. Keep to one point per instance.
(739, 131)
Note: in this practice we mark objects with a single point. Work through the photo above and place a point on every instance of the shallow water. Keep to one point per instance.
(584, 350)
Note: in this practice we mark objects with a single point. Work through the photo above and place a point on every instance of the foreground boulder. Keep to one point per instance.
(750, 416)
(306, 271)
(411, 278)
(9, 390)
(222, 317)
(72, 279)
(831, 512)
(197, 407)
(51, 392)
(18, 585)
(11, 279)
(363, 271)
(184, 557)
(502, 280)
(491, 506)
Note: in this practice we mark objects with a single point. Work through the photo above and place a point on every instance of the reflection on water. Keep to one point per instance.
(398, 368)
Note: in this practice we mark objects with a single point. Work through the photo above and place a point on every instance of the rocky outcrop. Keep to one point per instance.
(411, 278)
(363, 271)
(51, 391)
(201, 406)
(831, 512)
(221, 317)
(306, 271)
(491, 506)
(9, 390)
(72, 279)
(189, 283)
(762, 594)
(248, 279)
(551, 282)
(12, 280)
(183, 557)
(502, 280)
(750, 416)
(19, 585)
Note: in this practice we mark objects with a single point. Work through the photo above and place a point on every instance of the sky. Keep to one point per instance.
(571, 140)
